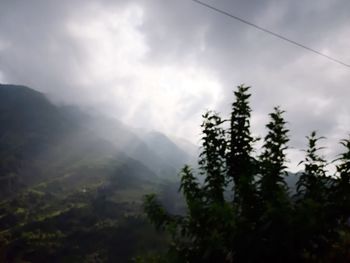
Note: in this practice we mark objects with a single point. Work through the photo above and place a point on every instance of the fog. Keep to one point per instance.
(158, 65)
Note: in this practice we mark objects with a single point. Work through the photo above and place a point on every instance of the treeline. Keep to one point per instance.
(244, 211)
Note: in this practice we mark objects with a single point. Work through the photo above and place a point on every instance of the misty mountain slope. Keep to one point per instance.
(166, 149)
(39, 141)
(188, 147)
(29, 126)
(67, 194)
(28, 120)
(154, 150)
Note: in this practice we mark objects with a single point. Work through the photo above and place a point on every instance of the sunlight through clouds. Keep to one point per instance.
(164, 95)
(160, 64)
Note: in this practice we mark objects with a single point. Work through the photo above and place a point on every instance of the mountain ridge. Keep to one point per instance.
(40, 140)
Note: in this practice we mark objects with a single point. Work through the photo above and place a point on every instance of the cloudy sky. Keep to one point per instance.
(159, 64)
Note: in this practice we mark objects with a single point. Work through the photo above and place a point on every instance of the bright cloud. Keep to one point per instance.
(170, 98)
(160, 64)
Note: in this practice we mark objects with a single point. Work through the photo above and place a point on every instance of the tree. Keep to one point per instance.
(274, 230)
(242, 170)
(311, 182)
(273, 159)
(241, 166)
(213, 156)
(311, 221)
(263, 223)
(341, 189)
(204, 232)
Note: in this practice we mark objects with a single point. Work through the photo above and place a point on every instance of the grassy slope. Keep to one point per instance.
(73, 197)
(97, 217)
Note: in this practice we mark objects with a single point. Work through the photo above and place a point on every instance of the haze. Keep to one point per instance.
(160, 64)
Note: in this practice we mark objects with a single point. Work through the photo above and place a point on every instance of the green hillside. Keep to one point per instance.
(71, 192)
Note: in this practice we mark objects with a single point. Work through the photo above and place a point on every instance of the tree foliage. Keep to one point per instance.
(244, 211)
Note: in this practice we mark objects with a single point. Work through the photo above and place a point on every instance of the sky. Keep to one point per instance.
(160, 64)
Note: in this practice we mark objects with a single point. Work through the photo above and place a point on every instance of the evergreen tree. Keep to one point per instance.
(311, 203)
(312, 181)
(342, 185)
(213, 156)
(339, 209)
(242, 169)
(273, 158)
(274, 225)
(204, 233)
(263, 223)
(241, 166)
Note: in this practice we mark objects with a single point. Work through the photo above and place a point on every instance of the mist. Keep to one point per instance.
(159, 65)
(103, 101)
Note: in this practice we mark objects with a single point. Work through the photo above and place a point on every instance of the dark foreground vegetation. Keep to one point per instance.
(244, 211)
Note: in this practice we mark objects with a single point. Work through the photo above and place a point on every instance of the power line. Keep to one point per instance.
(271, 33)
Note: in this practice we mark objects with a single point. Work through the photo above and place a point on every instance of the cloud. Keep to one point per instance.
(99, 57)
(160, 64)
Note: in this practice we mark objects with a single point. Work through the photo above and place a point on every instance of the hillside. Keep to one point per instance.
(68, 176)
(39, 141)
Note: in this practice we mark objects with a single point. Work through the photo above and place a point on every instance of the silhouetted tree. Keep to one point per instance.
(310, 215)
(242, 170)
(342, 185)
(213, 157)
(273, 158)
(274, 227)
(311, 182)
(241, 166)
(264, 222)
(201, 234)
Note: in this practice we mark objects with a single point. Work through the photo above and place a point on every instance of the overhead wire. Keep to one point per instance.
(271, 32)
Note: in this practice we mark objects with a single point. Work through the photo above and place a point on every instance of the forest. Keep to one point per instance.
(239, 207)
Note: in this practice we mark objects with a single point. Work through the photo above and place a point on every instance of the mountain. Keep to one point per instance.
(29, 124)
(166, 149)
(72, 182)
(40, 141)
(134, 145)
(188, 147)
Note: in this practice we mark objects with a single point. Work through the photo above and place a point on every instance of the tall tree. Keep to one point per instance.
(240, 163)
(204, 232)
(311, 203)
(312, 180)
(263, 223)
(342, 185)
(274, 227)
(213, 156)
(273, 158)
(242, 169)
